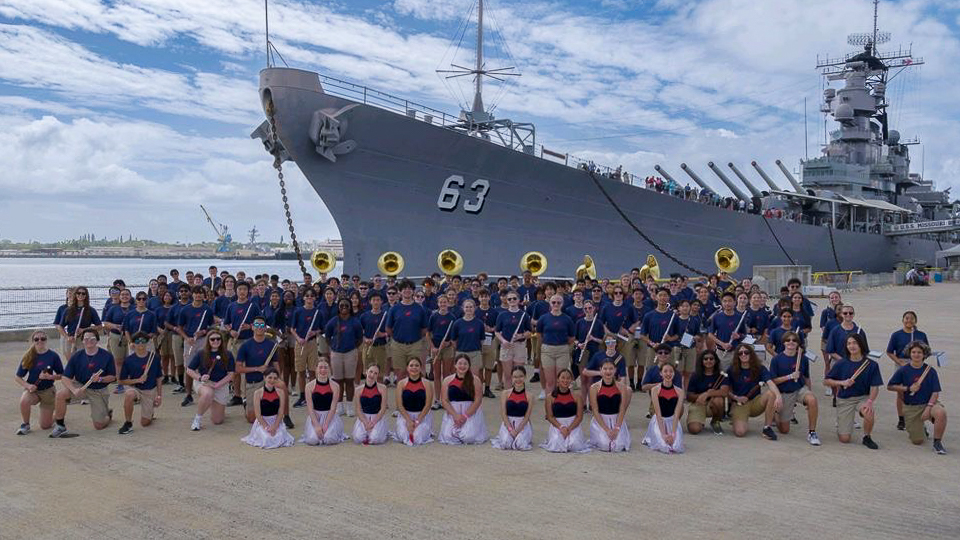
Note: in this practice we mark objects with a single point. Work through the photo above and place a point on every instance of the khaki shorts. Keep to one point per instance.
(117, 344)
(513, 352)
(66, 348)
(376, 355)
(697, 414)
(748, 410)
(176, 343)
(475, 361)
(343, 365)
(249, 389)
(555, 356)
(846, 411)
(99, 404)
(220, 395)
(646, 356)
(912, 417)
(403, 352)
(631, 351)
(789, 401)
(146, 398)
(726, 358)
(489, 354)
(306, 357)
(48, 398)
(189, 352)
(166, 346)
(533, 347)
(685, 359)
(323, 348)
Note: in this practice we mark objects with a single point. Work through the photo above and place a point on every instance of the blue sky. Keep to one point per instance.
(122, 117)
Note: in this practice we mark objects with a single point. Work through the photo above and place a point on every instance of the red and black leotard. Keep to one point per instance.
(414, 396)
(370, 399)
(517, 404)
(322, 396)
(269, 402)
(668, 400)
(608, 398)
(564, 406)
(455, 390)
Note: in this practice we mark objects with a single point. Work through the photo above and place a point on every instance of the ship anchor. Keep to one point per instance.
(327, 130)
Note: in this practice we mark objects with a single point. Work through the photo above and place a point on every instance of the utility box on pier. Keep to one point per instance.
(771, 278)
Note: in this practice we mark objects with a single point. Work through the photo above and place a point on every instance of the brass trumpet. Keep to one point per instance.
(587, 269)
(534, 262)
(726, 260)
(450, 262)
(652, 268)
(323, 261)
(390, 263)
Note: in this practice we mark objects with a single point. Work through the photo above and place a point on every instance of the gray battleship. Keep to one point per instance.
(401, 177)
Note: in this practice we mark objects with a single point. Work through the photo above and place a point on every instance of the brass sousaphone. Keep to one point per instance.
(450, 262)
(652, 268)
(323, 261)
(390, 263)
(726, 260)
(587, 269)
(533, 262)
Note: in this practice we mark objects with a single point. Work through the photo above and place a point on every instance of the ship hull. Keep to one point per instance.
(386, 195)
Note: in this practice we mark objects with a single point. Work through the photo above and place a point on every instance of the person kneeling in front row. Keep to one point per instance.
(920, 387)
(141, 376)
(88, 374)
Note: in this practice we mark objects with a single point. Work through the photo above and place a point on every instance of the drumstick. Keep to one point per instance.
(719, 382)
(866, 362)
(586, 340)
(244, 320)
(146, 369)
(756, 389)
(799, 358)
(90, 380)
(922, 377)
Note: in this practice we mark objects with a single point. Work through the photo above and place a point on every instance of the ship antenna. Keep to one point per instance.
(870, 41)
(478, 92)
(266, 20)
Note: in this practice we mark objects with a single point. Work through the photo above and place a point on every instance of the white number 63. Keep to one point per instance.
(450, 194)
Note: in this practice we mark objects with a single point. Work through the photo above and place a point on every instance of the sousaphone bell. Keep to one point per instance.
(533, 262)
(587, 269)
(726, 260)
(450, 262)
(652, 269)
(323, 261)
(390, 263)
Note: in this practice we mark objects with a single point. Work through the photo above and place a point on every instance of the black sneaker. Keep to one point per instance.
(938, 448)
(769, 434)
(126, 428)
(633, 387)
(165, 381)
(535, 378)
(901, 425)
(302, 402)
(794, 420)
(834, 402)
(287, 421)
(234, 401)
(179, 389)
(488, 394)
(717, 428)
(187, 401)
(868, 442)
(436, 406)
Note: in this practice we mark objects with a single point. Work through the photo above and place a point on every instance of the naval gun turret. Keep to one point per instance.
(753, 190)
(696, 177)
(730, 185)
(763, 174)
(666, 175)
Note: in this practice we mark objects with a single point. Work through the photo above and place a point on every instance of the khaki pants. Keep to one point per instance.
(190, 351)
(513, 352)
(489, 354)
(146, 398)
(235, 346)
(748, 410)
(117, 344)
(685, 359)
(726, 358)
(343, 365)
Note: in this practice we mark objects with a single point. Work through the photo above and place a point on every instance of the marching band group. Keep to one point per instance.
(713, 351)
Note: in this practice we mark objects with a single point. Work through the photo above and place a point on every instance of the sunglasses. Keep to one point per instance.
(214, 339)
(259, 325)
(81, 294)
(140, 341)
(791, 341)
(141, 299)
(663, 353)
(714, 358)
(555, 303)
(41, 338)
(744, 353)
(846, 313)
(391, 293)
(512, 299)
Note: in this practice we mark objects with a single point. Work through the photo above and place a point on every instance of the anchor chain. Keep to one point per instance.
(275, 150)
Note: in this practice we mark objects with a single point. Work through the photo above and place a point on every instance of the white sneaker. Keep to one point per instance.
(195, 426)
(339, 409)
(857, 424)
(24, 429)
(828, 392)
(350, 412)
(813, 439)
(542, 395)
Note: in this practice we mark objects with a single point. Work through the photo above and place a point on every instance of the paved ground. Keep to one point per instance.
(166, 481)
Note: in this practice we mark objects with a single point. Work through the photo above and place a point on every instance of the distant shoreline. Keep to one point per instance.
(266, 257)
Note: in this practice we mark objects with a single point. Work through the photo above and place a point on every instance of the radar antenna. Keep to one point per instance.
(869, 41)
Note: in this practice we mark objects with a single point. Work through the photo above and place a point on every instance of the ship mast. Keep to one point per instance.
(478, 77)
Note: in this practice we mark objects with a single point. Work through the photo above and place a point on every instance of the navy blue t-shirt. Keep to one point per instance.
(133, 367)
(900, 339)
(374, 323)
(407, 322)
(597, 360)
(681, 326)
(468, 334)
(220, 367)
(48, 361)
(89, 318)
(782, 364)
(743, 384)
(556, 329)
(837, 342)
(907, 375)
(845, 368)
(757, 321)
(82, 366)
(616, 317)
(655, 324)
(117, 314)
(240, 314)
(700, 384)
(343, 335)
(574, 312)
(303, 321)
(723, 326)
(508, 322)
(252, 354)
(438, 326)
(190, 318)
(132, 322)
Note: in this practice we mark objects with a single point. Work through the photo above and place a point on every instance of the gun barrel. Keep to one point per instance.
(753, 190)
(763, 174)
(793, 181)
(730, 185)
(696, 178)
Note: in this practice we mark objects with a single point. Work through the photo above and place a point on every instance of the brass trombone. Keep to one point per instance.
(450, 262)
(390, 263)
(323, 261)
(534, 262)
(587, 269)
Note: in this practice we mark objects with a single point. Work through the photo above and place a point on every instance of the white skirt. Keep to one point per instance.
(333, 435)
(654, 439)
(523, 440)
(261, 439)
(378, 435)
(473, 431)
(599, 439)
(422, 434)
(573, 443)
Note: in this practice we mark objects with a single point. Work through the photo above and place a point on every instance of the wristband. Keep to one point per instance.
(931, 404)
(870, 402)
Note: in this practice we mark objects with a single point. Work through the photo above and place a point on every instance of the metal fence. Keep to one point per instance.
(36, 307)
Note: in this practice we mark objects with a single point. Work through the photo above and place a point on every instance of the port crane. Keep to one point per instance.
(223, 235)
